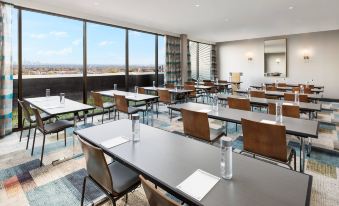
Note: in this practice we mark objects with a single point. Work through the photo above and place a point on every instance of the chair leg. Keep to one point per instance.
(29, 129)
(126, 198)
(23, 125)
(92, 116)
(33, 142)
(115, 114)
(102, 117)
(65, 136)
(57, 136)
(83, 191)
(42, 150)
(109, 113)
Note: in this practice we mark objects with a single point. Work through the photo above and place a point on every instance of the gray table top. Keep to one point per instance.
(168, 159)
(129, 95)
(297, 85)
(170, 90)
(294, 126)
(316, 90)
(281, 94)
(52, 106)
(304, 106)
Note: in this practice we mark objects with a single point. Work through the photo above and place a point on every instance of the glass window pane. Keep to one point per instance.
(193, 52)
(52, 55)
(205, 61)
(15, 66)
(161, 59)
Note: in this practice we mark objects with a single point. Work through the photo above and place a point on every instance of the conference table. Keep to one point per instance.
(302, 128)
(52, 106)
(315, 90)
(255, 101)
(167, 159)
(149, 100)
(315, 97)
(297, 85)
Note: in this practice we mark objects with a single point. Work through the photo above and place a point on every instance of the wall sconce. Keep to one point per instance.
(249, 56)
(278, 60)
(306, 56)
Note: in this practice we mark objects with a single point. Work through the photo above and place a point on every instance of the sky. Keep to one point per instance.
(55, 40)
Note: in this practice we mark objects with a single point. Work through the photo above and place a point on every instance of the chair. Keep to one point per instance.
(30, 119)
(193, 94)
(271, 88)
(165, 98)
(282, 85)
(287, 110)
(122, 106)
(114, 179)
(99, 104)
(268, 141)
(189, 83)
(291, 96)
(141, 90)
(307, 90)
(170, 86)
(50, 128)
(239, 103)
(196, 125)
(154, 196)
(258, 94)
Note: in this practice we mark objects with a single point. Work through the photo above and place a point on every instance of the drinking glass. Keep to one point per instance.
(62, 98)
(296, 96)
(48, 92)
(153, 84)
(226, 157)
(135, 127)
(278, 112)
(115, 86)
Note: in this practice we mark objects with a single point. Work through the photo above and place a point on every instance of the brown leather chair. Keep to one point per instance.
(193, 94)
(196, 125)
(291, 96)
(122, 106)
(239, 103)
(154, 196)
(271, 88)
(30, 119)
(114, 179)
(213, 90)
(258, 94)
(170, 86)
(141, 90)
(307, 90)
(287, 110)
(165, 96)
(51, 128)
(267, 140)
(189, 83)
(282, 85)
(99, 104)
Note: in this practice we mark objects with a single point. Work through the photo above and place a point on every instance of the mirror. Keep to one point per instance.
(275, 58)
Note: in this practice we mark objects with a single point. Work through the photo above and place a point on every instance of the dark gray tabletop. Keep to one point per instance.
(294, 126)
(129, 95)
(168, 159)
(51, 105)
(170, 90)
(297, 85)
(281, 94)
(316, 90)
(264, 102)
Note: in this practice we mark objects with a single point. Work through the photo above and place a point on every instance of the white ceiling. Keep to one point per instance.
(212, 20)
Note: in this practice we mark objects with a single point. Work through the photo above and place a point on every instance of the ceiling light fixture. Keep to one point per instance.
(227, 20)
(290, 7)
(197, 5)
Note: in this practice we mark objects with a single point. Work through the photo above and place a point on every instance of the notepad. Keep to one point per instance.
(114, 142)
(286, 103)
(268, 121)
(54, 106)
(198, 184)
(204, 110)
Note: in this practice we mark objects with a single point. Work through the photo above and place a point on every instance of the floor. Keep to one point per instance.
(23, 182)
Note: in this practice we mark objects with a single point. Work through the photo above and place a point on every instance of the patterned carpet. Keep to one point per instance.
(23, 182)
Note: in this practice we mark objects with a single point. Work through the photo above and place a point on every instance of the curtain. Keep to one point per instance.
(6, 72)
(214, 72)
(189, 71)
(173, 71)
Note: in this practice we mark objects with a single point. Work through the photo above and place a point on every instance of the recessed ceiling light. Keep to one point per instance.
(197, 5)
(226, 20)
(291, 8)
(95, 3)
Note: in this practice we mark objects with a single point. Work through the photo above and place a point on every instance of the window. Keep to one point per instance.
(105, 57)
(52, 55)
(161, 59)
(141, 58)
(201, 60)
(15, 66)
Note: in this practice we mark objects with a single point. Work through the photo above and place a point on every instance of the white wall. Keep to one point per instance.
(323, 66)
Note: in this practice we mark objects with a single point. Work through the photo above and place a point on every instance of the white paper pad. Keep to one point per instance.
(53, 107)
(205, 110)
(114, 142)
(198, 184)
(268, 121)
(286, 103)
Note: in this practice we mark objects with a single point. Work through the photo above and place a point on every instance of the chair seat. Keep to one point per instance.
(107, 105)
(58, 126)
(216, 134)
(123, 177)
(44, 117)
(133, 110)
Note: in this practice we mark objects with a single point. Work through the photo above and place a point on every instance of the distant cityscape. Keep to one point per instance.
(72, 69)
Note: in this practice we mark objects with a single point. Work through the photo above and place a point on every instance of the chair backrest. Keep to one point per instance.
(287, 110)
(39, 122)
(141, 90)
(282, 85)
(189, 83)
(96, 165)
(291, 96)
(206, 80)
(196, 124)
(121, 103)
(258, 94)
(307, 89)
(154, 196)
(170, 86)
(190, 87)
(97, 98)
(271, 88)
(25, 110)
(239, 103)
(209, 83)
(222, 81)
(268, 140)
(164, 95)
